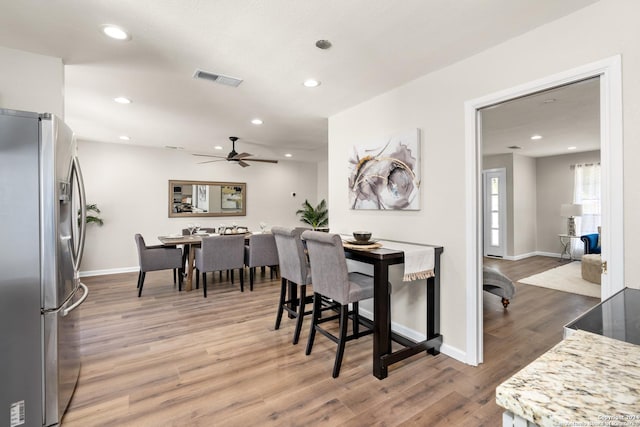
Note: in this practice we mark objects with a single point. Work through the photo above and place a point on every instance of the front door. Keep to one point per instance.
(495, 218)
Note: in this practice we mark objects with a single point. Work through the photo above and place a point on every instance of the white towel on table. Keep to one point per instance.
(419, 261)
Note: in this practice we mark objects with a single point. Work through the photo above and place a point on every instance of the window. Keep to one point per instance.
(586, 191)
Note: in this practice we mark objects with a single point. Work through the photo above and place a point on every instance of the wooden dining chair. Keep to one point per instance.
(219, 253)
(331, 279)
(158, 257)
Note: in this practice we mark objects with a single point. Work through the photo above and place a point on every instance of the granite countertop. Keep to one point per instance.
(586, 379)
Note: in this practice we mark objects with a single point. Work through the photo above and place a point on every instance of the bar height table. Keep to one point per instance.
(383, 357)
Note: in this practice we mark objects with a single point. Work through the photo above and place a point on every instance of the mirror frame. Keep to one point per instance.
(176, 182)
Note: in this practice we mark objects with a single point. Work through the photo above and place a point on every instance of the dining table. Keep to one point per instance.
(191, 242)
(381, 258)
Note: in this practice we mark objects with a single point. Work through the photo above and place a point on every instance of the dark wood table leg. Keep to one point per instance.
(381, 319)
(192, 255)
(433, 307)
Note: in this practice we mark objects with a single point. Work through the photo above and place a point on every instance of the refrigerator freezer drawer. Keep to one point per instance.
(61, 356)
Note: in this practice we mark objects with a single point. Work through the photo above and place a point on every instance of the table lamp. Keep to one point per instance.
(570, 211)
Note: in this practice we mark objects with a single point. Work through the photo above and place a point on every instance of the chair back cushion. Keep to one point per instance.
(329, 273)
(291, 255)
(261, 251)
(141, 247)
(220, 253)
(157, 257)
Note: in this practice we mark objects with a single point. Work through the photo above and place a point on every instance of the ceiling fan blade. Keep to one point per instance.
(243, 163)
(241, 156)
(211, 161)
(261, 160)
(209, 155)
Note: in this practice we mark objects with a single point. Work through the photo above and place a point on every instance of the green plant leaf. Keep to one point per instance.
(314, 216)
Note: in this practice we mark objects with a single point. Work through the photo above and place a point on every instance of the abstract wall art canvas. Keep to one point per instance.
(386, 175)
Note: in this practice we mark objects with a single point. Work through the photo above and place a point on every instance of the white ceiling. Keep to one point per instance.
(270, 44)
(567, 116)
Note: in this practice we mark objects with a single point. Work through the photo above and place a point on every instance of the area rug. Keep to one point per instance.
(567, 278)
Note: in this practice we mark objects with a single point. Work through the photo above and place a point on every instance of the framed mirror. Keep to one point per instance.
(205, 198)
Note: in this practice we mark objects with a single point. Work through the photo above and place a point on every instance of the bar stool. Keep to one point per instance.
(331, 279)
(294, 270)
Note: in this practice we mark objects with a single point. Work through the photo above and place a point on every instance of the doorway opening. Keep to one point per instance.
(609, 72)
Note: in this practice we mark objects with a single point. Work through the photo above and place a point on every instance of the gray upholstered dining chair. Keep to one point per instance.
(158, 257)
(260, 252)
(294, 271)
(185, 250)
(331, 279)
(219, 253)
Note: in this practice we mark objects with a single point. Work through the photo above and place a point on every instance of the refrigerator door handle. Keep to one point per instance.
(83, 214)
(68, 310)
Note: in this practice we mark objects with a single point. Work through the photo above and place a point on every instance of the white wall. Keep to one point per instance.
(31, 82)
(555, 187)
(524, 205)
(435, 104)
(130, 185)
(323, 180)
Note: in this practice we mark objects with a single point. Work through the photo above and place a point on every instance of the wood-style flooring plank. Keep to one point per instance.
(177, 359)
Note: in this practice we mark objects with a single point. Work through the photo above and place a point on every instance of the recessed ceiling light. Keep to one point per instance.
(125, 138)
(288, 155)
(122, 100)
(572, 147)
(536, 137)
(311, 83)
(256, 121)
(115, 32)
(218, 147)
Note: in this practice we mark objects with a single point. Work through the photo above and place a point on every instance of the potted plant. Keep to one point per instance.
(317, 217)
(92, 214)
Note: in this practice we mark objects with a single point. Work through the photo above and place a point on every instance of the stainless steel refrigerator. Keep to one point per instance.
(42, 222)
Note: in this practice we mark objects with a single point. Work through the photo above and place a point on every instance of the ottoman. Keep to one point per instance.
(591, 268)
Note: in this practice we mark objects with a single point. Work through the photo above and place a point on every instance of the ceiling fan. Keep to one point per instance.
(233, 156)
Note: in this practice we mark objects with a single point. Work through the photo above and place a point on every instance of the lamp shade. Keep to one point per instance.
(569, 210)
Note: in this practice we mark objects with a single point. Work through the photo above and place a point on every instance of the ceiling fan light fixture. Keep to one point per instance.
(115, 32)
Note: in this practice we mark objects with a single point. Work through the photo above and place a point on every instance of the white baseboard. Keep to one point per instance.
(530, 254)
(414, 335)
(109, 271)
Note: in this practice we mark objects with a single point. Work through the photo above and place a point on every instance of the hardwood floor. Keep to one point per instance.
(178, 359)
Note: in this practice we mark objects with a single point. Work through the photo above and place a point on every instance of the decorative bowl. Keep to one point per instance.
(362, 236)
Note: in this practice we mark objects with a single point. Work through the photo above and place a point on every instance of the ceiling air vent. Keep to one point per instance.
(218, 78)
